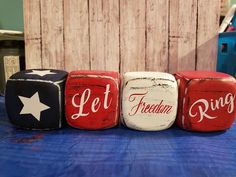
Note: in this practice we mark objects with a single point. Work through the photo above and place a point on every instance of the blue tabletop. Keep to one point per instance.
(115, 152)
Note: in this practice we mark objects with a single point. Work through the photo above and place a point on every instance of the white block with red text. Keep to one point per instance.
(149, 100)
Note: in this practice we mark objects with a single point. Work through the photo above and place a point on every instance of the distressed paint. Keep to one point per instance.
(35, 99)
(92, 99)
(149, 100)
(206, 104)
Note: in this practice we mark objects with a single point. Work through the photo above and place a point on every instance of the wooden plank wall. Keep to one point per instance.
(121, 35)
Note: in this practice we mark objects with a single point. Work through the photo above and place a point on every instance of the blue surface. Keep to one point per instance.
(115, 152)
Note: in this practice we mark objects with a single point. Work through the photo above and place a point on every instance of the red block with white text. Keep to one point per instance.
(92, 99)
(206, 100)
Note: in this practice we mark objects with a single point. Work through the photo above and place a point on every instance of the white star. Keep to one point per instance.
(41, 72)
(32, 106)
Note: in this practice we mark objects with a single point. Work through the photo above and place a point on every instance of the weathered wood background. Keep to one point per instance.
(121, 35)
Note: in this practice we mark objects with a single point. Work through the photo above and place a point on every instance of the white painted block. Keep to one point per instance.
(149, 100)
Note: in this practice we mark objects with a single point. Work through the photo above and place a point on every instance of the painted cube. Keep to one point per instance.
(149, 100)
(92, 99)
(35, 99)
(206, 100)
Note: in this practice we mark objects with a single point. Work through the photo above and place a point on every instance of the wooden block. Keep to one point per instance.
(149, 100)
(35, 99)
(206, 101)
(92, 99)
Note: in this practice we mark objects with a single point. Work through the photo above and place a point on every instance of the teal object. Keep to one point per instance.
(226, 60)
(233, 21)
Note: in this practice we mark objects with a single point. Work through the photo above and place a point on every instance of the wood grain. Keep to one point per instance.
(121, 35)
(207, 34)
(182, 35)
(52, 34)
(104, 34)
(132, 35)
(76, 26)
(157, 35)
(32, 30)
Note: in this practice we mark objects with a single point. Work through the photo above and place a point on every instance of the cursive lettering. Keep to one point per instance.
(144, 107)
(203, 106)
(95, 105)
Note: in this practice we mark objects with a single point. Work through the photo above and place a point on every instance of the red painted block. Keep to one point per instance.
(206, 100)
(92, 99)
